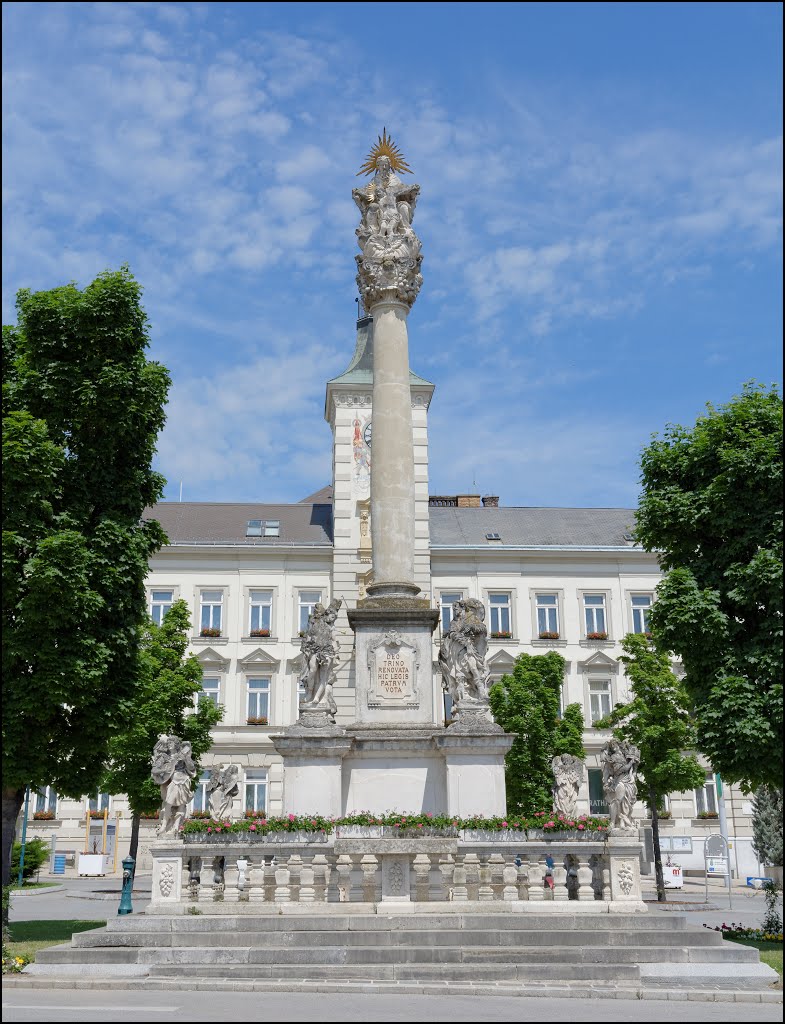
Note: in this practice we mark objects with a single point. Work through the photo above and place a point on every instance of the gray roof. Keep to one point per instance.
(219, 522)
(360, 369)
(531, 527)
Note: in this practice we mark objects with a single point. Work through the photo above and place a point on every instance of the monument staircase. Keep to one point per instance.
(372, 948)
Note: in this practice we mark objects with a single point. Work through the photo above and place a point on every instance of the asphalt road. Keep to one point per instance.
(119, 1005)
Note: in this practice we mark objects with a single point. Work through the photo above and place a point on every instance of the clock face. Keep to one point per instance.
(367, 433)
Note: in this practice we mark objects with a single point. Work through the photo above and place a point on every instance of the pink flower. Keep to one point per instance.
(550, 824)
(429, 815)
(209, 829)
(252, 828)
(291, 817)
(263, 821)
(313, 821)
(504, 824)
(396, 825)
(217, 828)
(580, 828)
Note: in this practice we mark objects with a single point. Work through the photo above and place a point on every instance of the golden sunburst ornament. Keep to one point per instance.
(385, 147)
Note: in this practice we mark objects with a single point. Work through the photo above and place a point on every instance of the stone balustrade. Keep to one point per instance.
(235, 874)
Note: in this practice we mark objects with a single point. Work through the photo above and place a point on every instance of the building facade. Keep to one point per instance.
(570, 580)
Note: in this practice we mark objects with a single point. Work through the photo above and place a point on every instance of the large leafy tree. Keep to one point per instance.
(658, 721)
(163, 702)
(82, 408)
(527, 703)
(712, 509)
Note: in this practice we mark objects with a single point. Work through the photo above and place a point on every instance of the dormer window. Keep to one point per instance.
(254, 528)
(263, 528)
(272, 528)
(493, 538)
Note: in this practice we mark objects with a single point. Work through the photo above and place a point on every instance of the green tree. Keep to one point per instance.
(163, 702)
(527, 703)
(37, 853)
(82, 408)
(712, 510)
(658, 721)
(767, 825)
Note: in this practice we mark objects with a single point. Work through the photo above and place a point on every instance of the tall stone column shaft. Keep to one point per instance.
(392, 465)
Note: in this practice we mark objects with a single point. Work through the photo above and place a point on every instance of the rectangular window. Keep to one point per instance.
(211, 689)
(261, 611)
(256, 790)
(641, 606)
(599, 699)
(210, 609)
(272, 528)
(99, 802)
(500, 614)
(597, 803)
(306, 602)
(45, 801)
(160, 603)
(254, 528)
(447, 599)
(548, 616)
(706, 797)
(594, 612)
(258, 700)
(200, 802)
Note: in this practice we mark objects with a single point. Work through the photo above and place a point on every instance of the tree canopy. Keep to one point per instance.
(658, 721)
(82, 408)
(528, 703)
(711, 508)
(163, 702)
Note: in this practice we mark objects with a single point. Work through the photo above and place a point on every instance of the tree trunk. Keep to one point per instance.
(655, 836)
(12, 805)
(133, 849)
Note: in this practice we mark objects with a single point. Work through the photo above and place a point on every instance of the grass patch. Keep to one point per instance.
(27, 937)
(34, 885)
(770, 952)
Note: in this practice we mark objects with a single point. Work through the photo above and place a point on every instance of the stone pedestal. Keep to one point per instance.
(393, 659)
(312, 762)
(474, 767)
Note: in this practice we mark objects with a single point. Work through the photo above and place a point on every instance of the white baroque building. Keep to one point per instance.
(560, 579)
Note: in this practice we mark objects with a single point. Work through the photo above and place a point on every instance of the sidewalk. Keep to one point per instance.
(746, 911)
(81, 899)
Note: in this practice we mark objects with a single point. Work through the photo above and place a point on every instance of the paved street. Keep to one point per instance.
(65, 1005)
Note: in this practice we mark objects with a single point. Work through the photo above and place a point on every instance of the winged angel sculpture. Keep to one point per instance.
(389, 267)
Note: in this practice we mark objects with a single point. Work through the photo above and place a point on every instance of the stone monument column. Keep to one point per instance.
(392, 469)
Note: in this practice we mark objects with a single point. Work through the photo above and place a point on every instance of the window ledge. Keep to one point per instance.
(706, 823)
(210, 641)
(549, 643)
(503, 640)
(662, 822)
(258, 639)
(41, 822)
(597, 643)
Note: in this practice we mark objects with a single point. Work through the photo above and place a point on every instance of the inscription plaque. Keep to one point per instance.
(393, 667)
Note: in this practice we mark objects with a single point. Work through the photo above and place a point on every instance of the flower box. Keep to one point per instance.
(259, 632)
(43, 816)
(596, 636)
(96, 814)
(548, 636)
(209, 631)
(502, 635)
(258, 720)
(705, 815)
(150, 817)
(201, 814)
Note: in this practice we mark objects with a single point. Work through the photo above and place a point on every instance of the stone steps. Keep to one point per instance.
(603, 951)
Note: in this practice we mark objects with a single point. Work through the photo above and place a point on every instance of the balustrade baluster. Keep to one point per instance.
(484, 888)
(295, 867)
(219, 867)
(307, 890)
(370, 866)
(446, 865)
(206, 880)
(270, 865)
(321, 874)
(606, 879)
(560, 893)
(585, 888)
(472, 864)
(231, 876)
(256, 879)
(510, 880)
(536, 874)
(422, 877)
(283, 893)
(460, 891)
(343, 869)
(497, 875)
(194, 865)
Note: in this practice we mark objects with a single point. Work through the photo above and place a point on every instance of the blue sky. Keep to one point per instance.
(600, 214)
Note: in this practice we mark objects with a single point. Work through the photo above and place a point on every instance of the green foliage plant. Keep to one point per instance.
(658, 721)
(711, 508)
(526, 703)
(37, 853)
(767, 825)
(82, 409)
(164, 701)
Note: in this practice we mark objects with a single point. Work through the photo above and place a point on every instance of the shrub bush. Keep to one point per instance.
(36, 854)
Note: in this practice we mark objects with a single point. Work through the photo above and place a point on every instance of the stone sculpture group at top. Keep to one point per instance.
(389, 267)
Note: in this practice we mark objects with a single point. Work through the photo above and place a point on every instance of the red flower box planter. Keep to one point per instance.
(501, 636)
(596, 636)
(549, 636)
(259, 720)
(209, 631)
(259, 632)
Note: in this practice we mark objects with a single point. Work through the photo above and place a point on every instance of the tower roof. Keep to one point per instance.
(360, 369)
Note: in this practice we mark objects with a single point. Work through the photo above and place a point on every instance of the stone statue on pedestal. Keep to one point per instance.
(389, 267)
(567, 779)
(319, 652)
(462, 661)
(173, 770)
(620, 760)
(222, 787)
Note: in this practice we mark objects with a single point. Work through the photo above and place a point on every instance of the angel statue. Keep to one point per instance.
(567, 779)
(620, 760)
(462, 658)
(173, 770)
(389, 267)
(222, 787)
(319, 655)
